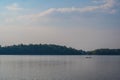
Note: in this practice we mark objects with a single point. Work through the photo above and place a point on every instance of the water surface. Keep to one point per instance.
(59, 68)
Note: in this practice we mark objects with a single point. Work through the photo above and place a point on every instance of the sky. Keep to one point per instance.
(81, 24)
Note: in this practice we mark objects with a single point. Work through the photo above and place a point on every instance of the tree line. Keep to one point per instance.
(51, 49)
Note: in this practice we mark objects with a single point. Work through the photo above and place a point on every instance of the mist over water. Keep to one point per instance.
(59, 68)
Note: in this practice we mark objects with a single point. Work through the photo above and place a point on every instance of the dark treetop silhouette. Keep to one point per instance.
(51, 49)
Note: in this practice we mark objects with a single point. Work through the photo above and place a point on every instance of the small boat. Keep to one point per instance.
(88, 57)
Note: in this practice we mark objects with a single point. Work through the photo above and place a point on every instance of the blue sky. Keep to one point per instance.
(82, 24)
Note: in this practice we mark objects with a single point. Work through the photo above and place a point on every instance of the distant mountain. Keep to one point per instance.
(51, 49)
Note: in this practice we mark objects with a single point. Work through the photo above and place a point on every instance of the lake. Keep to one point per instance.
(59, 67)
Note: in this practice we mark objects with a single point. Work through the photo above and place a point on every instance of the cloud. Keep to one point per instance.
(14, 7)
(44, 13)
(106, 6)
(100, 6)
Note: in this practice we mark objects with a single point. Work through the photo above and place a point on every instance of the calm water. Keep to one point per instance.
(59, 68)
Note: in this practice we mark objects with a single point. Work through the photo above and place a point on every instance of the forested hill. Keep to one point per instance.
(39, 49)
(104, 52)
(50, 49)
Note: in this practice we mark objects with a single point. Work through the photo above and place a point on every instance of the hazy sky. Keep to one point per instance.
(81, 24)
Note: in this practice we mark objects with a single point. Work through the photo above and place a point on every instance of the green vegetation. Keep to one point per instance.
(45, 49)
(104, 52)
(41, 49)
